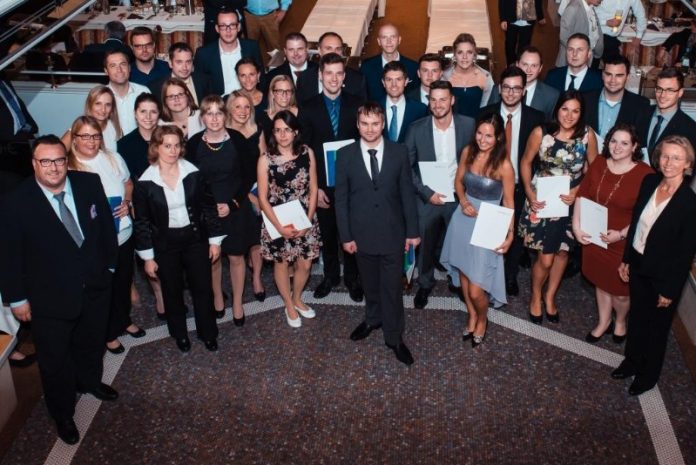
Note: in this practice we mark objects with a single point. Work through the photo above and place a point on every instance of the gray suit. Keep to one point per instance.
(544, 99)
(573, 20)
(432, 219)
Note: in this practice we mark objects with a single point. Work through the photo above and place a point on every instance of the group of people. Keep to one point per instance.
(188, 166)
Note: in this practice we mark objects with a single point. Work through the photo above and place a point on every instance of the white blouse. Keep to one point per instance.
(647, 219)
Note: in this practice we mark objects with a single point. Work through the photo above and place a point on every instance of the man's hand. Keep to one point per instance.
(213, 252)
(663, 302)
(437, 199)
(350, 247)
(503, 25)
(279, 16)
(23, 312)
(151, 268)
(323, 199)
(412, 241)
(223, 210)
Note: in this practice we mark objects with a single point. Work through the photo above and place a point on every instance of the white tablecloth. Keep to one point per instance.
(169, 23)
(448, 18)
(650, 38)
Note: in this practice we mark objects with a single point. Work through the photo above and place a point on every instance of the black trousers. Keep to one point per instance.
(516, 39)
(432, 222)
(612, 46)
(186, 253)
(648, 329)
(120, 309)
(381, 281)
(70, 352)
(331, 247)
(514, 253)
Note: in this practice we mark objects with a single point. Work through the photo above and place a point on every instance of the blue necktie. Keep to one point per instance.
(655, 133)
(17, 114)
(393, 125)
(333, 114)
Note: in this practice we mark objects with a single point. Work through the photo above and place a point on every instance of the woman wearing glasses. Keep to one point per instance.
(282, 97)
(87, 153)
(286, 173)
(100, 104)
(179, 108)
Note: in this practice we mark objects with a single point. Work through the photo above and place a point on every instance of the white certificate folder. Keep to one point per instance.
(289, 213)
(594, 220)
(491, 227)
(330, 149)
(437, 176)
(549, 189)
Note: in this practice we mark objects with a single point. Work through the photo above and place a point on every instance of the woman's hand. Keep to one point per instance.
(122, 210)
(581, 236)
(610, 236)
(568, 199)
(151, 268)
(534, 204)
(223, 210)
(213, 252)
(624, 272)
(468, 209)
(505, 246)
(663, 302)
(288, 231)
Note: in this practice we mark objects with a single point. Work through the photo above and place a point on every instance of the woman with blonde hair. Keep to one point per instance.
(101, 105)
(179, 107)
(88, 153)
(282, 97)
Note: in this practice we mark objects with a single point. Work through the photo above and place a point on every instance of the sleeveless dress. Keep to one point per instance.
(467, 100)
(482, 267)
(289, 180)
(556, 157)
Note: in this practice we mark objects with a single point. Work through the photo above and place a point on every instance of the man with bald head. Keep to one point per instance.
(388, 39)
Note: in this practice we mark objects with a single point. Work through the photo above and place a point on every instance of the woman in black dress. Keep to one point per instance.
(281, 97)
(249, 77)
(213, 152)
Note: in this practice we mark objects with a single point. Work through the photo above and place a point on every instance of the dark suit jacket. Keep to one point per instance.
(421, 146)
(201, 82)
(40, 260)
(152, 212)
(92, 57)
(681, 124)
(530, 119)
(544, 99)
(284, 70)
(7, 132)
(414, 111)
(556, 78)
(316, 126)
(378, 219)
(670, 246)
(372, 69)
(308, 85)
(508, 10)
(635, 110)
(207, 61)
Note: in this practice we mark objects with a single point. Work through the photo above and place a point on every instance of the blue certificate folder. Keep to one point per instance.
(114, 203)
(409, 262)
(330, 163)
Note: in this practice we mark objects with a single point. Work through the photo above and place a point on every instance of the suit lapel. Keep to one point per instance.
(85, 211)
(429, 141)
(45, 210)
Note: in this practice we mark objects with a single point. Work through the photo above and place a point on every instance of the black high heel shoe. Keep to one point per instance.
(260, 296)
(478, 340)
(591, 338)
(467, 335)
(552, 317)
(239, 321)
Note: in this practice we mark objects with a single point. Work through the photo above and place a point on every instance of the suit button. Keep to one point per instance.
(195, 228)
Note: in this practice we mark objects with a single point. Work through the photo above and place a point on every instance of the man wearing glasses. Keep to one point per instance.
(147, 68)
(667, 118)
(117, 68)
(59, 249)
(218, 59)
(519, 120)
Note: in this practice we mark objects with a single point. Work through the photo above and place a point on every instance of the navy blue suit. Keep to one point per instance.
(207, 61)
(556, 78)
(414, 110)
(372, 69)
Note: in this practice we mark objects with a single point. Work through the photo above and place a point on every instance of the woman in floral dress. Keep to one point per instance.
(286, 173)
(564, 147)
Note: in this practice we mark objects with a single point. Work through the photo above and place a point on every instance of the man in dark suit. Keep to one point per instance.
(520, 120)
(92, 57)
(181, 59)
(329, 117)
(309, 84)
(429, 71)
(614, 104)
(59, 249)
(577, 74)
(17, 128)
(537, 95)
(441, 138)
(377, 222)
(401, 110)
(517, 19)
(218, 59)
(667, 118)
(296, 61)
(388, 39)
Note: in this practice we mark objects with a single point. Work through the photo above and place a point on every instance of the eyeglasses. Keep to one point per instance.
(283, 130)
(283, 91)
(176, 96)
(514, 90)
(228, 27)
(674, 158)
(661, 90)
(142, 46)
(88, 136)
(46, 162)
(214, 114)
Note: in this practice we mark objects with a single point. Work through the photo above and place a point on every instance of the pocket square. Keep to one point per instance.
(93, 211)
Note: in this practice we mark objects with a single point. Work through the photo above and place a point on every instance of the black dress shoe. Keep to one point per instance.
(638, 387)
(536, 319)
(103, 392)
(421, 298)
(118, 350)
(211, 345)
(362, 331)
(136, 334)
(67, 431)
(511, 287)
(402, 353)
(323, 289)
(260, 296)
(23, 363)
(162, 316)
(239, 321)
(183, 344)
(356, 293)
(439, 267)
(623, 371)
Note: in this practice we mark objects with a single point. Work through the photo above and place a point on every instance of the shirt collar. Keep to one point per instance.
(580, 75)
(384, 61)
(379, 147)
(152, 173)
(236, 49)
(49, 195)
(399, 103)
(504, 111)
(301, 68)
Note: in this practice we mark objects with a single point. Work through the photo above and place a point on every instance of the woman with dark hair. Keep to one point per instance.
(249, 75)
(563, 147)
(657, 259)
(177, 232)
(612, 180)
(287, 172)
(484, 175)
(471, 84)
(179, 107)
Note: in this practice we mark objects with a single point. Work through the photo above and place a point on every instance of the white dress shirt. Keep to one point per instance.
(608, 8)
(366, 156)
(229, 61)
(647, 219)
(578, 78)
(126, 105)
(530, 89)
(514, 143)
(424, 95)
(595, 31)
(293, 70)
(445, 145)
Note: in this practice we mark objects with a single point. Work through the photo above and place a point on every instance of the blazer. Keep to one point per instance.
(681, 124)
(284, 70)
(378, 219)
(670, 246)
(40, 260)
(308, 85)
(544, 99)
(414, 111)
(207, 61)
(635, 110)
(7, 132)
(508, 10)
(201, 82)
(413, 93)
(372, 69)
(573, 20)
(556, 78)
(529, 120)
(316, 126)
(421, 146)
(152, 211)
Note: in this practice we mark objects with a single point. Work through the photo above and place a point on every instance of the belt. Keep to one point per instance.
(256, 14)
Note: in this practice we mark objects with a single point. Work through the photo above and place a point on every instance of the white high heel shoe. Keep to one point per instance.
(309, 313)
(296, 323)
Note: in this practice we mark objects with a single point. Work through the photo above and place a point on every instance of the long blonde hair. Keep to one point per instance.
(92, 97)
(251, 122)
(78, 124)
(272, 110)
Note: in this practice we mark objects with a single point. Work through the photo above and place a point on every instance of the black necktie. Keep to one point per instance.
(655, 133)
(571, 86)
(374, 166)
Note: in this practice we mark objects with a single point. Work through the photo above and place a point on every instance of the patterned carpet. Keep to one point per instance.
(272, 395)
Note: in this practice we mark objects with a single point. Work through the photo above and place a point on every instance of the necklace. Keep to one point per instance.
(616, 186)
(219, 147)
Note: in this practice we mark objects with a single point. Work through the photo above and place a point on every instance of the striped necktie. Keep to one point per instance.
(68, 219)
(393, 125)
